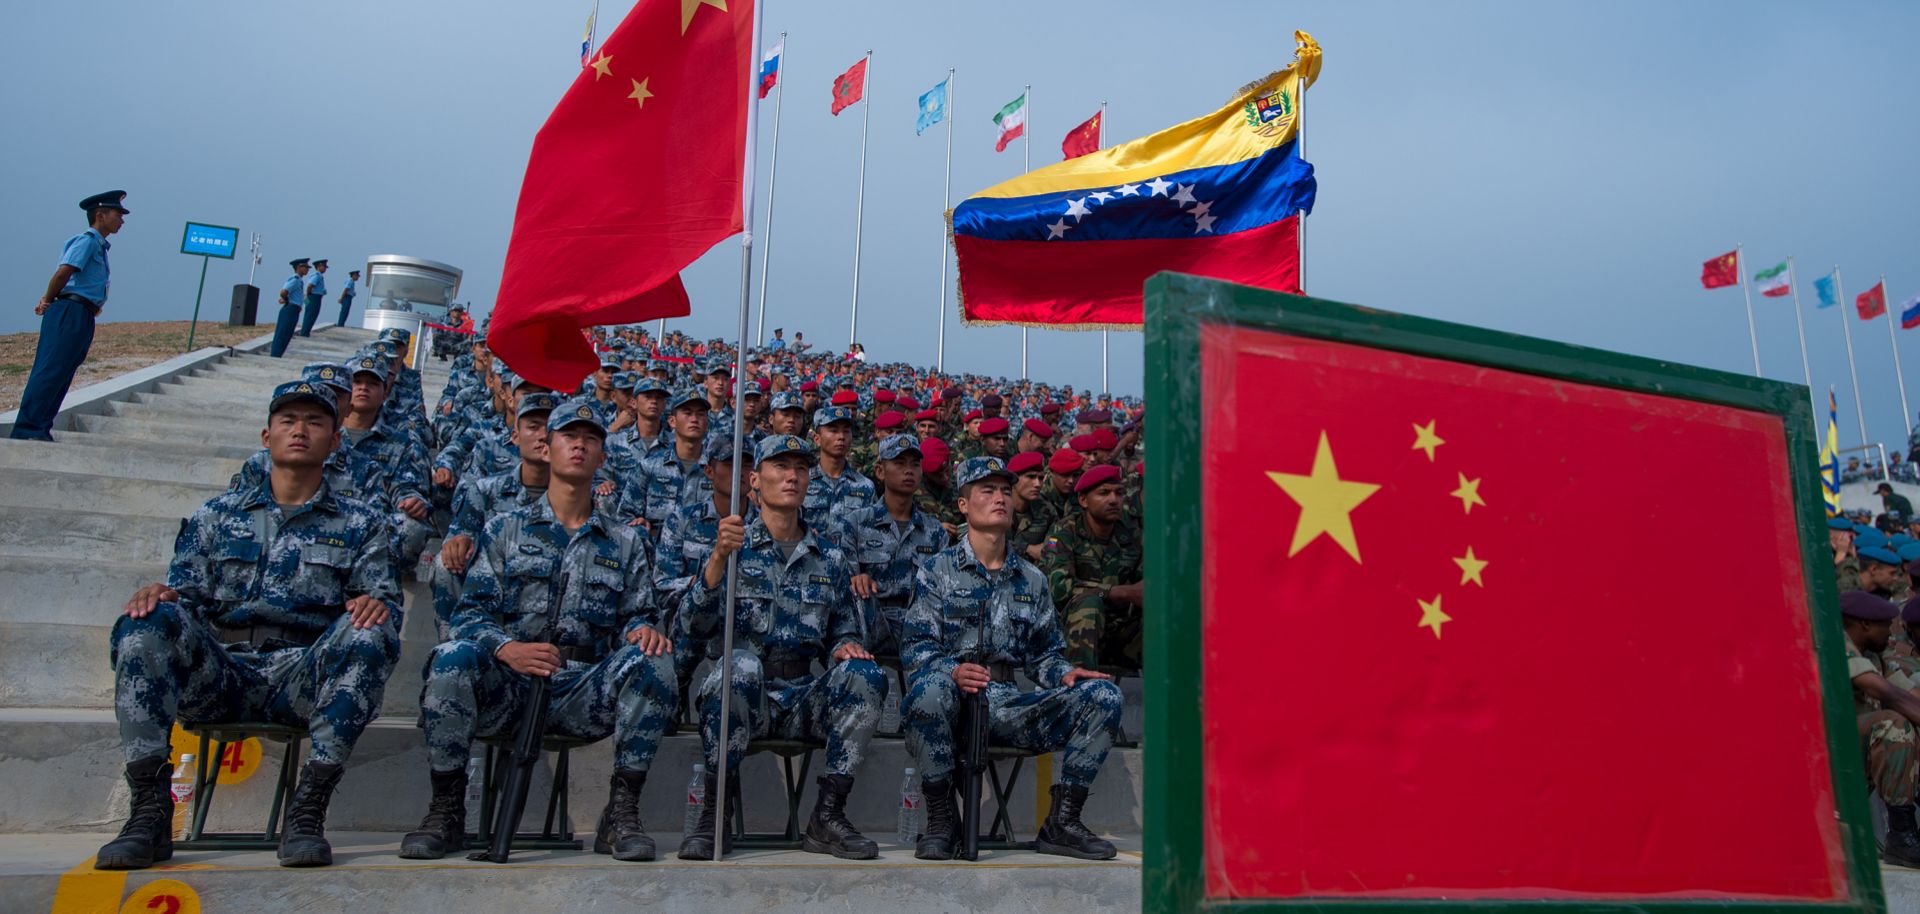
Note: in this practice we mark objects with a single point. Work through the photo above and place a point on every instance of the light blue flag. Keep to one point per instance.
(1823, 287)
(933, 108)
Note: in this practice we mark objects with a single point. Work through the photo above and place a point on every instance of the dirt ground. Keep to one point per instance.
(118, 347)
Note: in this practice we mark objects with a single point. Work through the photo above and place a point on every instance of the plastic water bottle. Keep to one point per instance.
(182, 788)
(910, 810)
(696, 798)
(476, 774)
(890, 710)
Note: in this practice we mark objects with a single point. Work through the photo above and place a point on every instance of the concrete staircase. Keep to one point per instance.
(86, 520)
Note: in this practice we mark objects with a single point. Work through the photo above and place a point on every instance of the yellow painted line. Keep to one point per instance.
(85, 890)
(1042, 800)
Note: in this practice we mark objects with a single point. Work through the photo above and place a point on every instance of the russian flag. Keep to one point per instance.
(1071, 245)
(770, 69)
(1910, 313)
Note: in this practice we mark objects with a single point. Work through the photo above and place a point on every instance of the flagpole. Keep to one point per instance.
(1846, 328)
(946, 197)
(1793, 281)
(721, 822)
(860, 197)
(1753, 336)
(1100, 142)
(773, 174)
(1300, 152)
(1026, 165)
(1899, 377)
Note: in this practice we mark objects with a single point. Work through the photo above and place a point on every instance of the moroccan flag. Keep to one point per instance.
(850, 87)
(1473, 675)
(635, 174)
(1872, 303)
(1723, 270)
(1774, 282)
(1012, 121)
(1070, 246)
(1082, 139)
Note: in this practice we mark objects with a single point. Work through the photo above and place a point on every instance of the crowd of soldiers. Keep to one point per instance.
(960, 530)
(1876, 563)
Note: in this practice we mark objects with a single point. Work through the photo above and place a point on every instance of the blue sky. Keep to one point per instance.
(1553, 169)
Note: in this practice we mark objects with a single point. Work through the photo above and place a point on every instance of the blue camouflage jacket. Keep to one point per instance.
(953, 594)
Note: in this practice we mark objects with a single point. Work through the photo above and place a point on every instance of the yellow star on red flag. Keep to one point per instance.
(640, 93)
(602, 66)
(689, 7)
(1326, 502)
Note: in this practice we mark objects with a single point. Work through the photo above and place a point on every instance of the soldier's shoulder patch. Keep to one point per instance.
(605, 562)
(1023, 598)
(530, 549)
(820, 579)
(926, 550)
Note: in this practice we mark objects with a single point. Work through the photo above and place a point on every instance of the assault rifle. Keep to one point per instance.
(526, 747)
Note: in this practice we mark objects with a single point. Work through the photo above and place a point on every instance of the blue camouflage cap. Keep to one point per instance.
(713, 365)
(388, 348)
(641, 384)
(334, 376)
(828, 415)
(537, 401)
(373, 365)
(787, 399)
(399, 334)
(1881, 554)
(610, 360)
(775, 445)
(974, 469)
(720, 448)
(575, 412)
(303, 391)
(896, 445)
(688, 397)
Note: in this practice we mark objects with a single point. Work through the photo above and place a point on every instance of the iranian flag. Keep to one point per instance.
(1773, 282)
(1012, 121)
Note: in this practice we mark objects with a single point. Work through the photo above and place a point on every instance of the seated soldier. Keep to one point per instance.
(685, 541)
(936, 494)
(1886, 711)
(669, 477)
(280, 606)
(554, 589)
(888, 541)
(366, 432)
(794, 607)
(1880, 571)
(1093, 563)
(478, 500)
(980, 612)
(835, 486)
(1029, 531)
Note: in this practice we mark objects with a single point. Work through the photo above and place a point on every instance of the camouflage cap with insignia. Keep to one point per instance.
(642, 384)
(775, 445)
(688, 397)
(303, 391)
(975, 469)
(787, 399)
(575, 412)
(897, 445)
(329, 374)
(372, 365)
(398, 334)
(828, 415)
(536, 402)
(386, 347)
(720, 448)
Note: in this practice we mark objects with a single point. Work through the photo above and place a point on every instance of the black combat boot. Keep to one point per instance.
(1062, 832)
(1903, 838)
(699, 845)
(445, 827)
(304, 843)
(147, 838)
(829, 831)
(620, 832)
(941, 837)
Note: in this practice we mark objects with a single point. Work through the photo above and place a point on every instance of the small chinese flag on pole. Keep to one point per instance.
(1082, 139)
(1723, 270)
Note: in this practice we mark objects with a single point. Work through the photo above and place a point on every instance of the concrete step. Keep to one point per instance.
(61, 491)
(65, 767)
(366, 876)
(109, 455)
(34, 532)
(78, 590)
(69, 661)
(209, 430)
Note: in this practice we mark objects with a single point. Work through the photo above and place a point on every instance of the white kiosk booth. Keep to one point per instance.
(409, 292)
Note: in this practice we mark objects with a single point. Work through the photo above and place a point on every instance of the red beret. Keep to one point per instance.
(1024, 462)
(933, 454)
(926, 414)
(1039, 428)
(1050, 409)
(952, 393)
(907, 404)
(764, 384)
(845, 398)
(994, 426)
(1065, 462)
(1084, 444)
(809, 385)
(972, 415)
(883, 395)
(1105, 439)
(1097, 476)
(890, 419)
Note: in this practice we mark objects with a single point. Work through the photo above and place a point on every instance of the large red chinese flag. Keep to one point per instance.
(1466, 634)
(1723, 270)
(636, 173)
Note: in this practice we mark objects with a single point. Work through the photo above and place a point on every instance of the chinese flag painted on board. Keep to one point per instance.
(1723, 270)
(635, 174)
(1448, 649)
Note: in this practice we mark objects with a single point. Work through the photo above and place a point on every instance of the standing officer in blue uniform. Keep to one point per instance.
(316, 293)
(74, 296)
(292, 295)
(346, 296)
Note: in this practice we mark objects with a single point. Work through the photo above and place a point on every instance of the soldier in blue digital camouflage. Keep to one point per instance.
(364, 430)
(629, 447)
(670, 477)
(478, 500)
(484, 446)
(686, 539)
(980, 612)
(787, 414)
(794, 608)
(836, 486)
(280, 605)
(888, 540)
(554, 589)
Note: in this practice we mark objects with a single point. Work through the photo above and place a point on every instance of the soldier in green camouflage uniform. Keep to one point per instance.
(1886, 710)
(1846, 566)
(1093, 563)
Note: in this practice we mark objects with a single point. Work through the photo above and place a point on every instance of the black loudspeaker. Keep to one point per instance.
(246, 306)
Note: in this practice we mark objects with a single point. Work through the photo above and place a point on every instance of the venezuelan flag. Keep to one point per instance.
(1071, 244)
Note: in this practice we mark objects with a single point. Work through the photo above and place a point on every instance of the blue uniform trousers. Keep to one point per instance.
(1081, 719)
(66, 333)
(346, 304)
(313, 314)
(284, 328)
(841, 708)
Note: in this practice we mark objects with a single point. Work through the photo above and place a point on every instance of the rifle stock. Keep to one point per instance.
(526, 751)
(973, 753)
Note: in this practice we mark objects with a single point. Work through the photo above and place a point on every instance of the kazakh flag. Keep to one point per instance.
(1830, 457)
